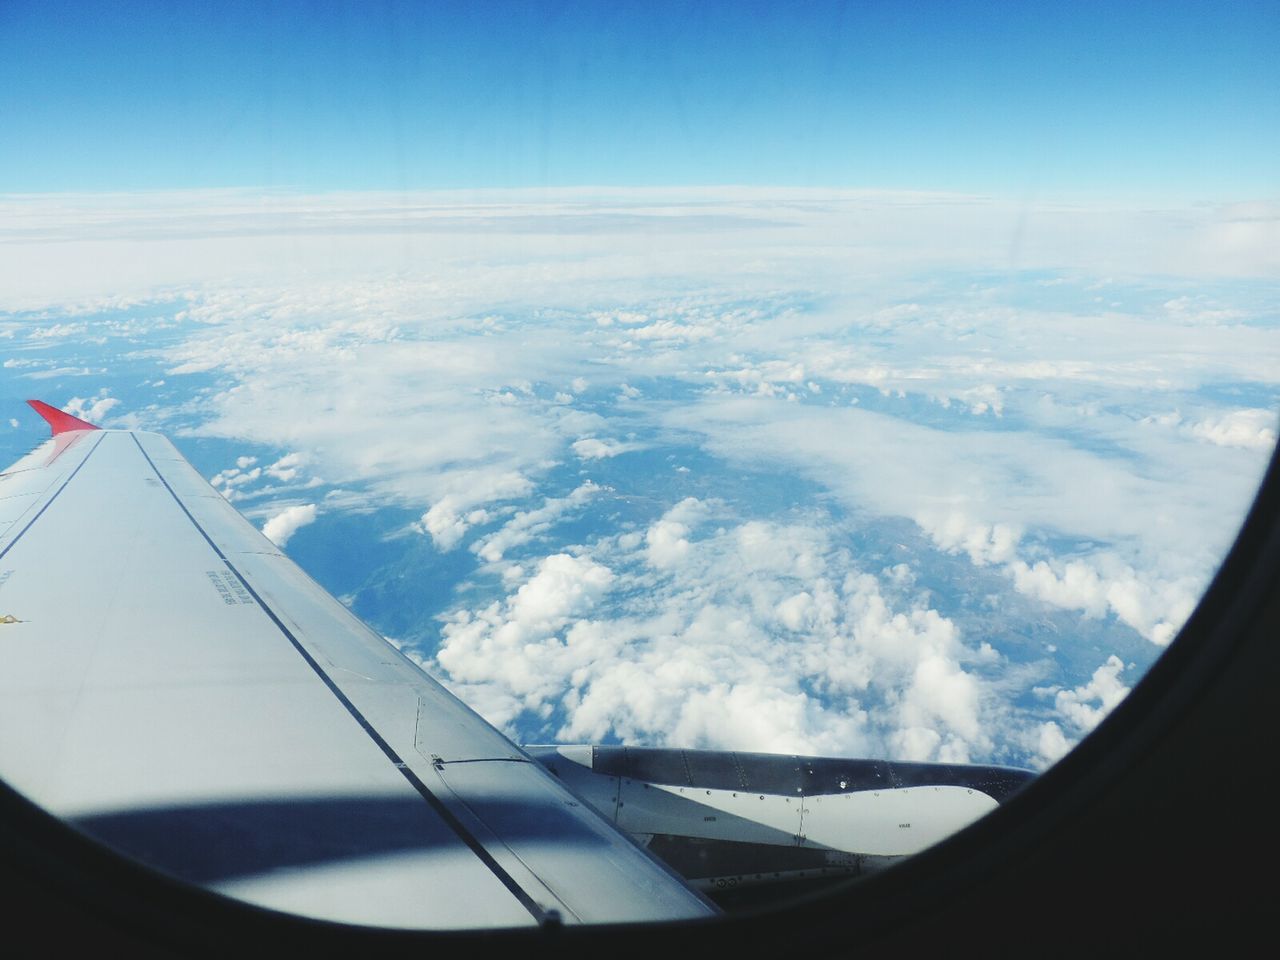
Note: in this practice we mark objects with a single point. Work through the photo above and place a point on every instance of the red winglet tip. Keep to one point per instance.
(59, 422)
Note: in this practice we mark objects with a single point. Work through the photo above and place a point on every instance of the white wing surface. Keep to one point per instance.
(175, 687)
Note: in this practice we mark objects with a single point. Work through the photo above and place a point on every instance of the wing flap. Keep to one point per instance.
(542, 825)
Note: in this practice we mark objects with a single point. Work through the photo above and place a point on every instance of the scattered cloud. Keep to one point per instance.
(1148, 539)
(91, 409)
(281, 527)
(454, 514)
(287, 468)
(1080, 709)
(754, 636)
(591, 448)
(1078, 431)
(1085, 706)
(528, 524)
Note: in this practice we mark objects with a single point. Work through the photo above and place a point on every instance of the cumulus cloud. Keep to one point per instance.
(454, 514)
(751, 636)
(248, 479)
(447, 525)
(1154, 607)
(665, 541)
(91, 409)
(1051, 743)
(1080, 709)
(1251, 428)
(1085, 706)
(985, 543)
(522, 644)
(1100, 584)
(288, 522)
(287, 467)
(232, 481)
(528, 524)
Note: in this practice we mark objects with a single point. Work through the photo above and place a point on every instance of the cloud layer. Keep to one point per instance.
(716, 467)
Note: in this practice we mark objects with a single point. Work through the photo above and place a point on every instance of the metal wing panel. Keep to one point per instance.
(134, 699)
(182, 691)
(31, 482)
(228, 531)
(385, 686)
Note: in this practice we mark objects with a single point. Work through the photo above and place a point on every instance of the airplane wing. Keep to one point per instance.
(173, 686)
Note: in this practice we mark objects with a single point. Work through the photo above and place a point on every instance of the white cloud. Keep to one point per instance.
(1051, 743)
(454, 514)
(528, 524)
(591, 448)
(518, 644)
(231, 481)
(63, 372)
(287, 467)
(1079, 709)
(1240, 428)
(194, 237)
(1153, 536)
(91, 409)
(1085, 706)
(774, 330)
(752, 636)
(446, 525)
(985, 543)
(56, 330)
(1078, 586)
(288, 522)
(665, 540)
(1100, 584)
(1155, 607)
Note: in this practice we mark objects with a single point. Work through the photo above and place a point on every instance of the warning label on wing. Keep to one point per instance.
(229, 587)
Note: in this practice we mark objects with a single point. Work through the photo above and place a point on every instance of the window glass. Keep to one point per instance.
(880, 382)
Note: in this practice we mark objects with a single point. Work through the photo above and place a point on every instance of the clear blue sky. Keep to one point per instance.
(398, 95)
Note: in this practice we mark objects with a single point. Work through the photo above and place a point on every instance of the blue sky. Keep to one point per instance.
(1091, 97)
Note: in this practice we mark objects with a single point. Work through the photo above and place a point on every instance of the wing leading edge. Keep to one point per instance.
(175, 687)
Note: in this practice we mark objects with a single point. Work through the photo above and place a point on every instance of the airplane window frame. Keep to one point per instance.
(1145, 816)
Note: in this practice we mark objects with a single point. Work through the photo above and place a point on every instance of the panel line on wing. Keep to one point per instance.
(447, 816)
(10, 545)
